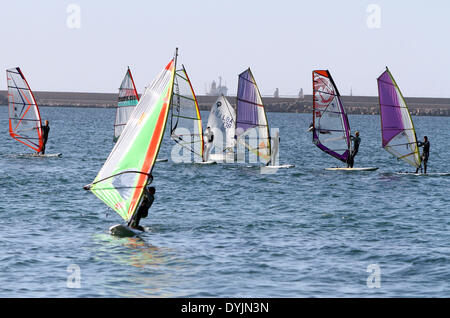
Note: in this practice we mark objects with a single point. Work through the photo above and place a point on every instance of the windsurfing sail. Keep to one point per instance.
(251, 120)
(397, 128)
(121, 180)
(222, 118)
(331, 129)
(186, 122)
(24, 118)
(127, 100)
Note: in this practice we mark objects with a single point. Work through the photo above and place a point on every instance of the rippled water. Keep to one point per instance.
(226, 230)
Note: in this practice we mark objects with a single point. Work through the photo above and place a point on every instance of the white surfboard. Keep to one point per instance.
(434, 174)
(352, 169)
(162, 160)
(210, 162)
(123, 231)
(286, 166)
(47, 155)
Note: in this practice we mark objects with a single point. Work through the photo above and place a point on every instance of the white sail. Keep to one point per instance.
(222, 120)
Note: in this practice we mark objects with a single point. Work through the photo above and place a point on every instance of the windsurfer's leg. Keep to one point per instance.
(43, 147)
(208, 150)
(350, 161)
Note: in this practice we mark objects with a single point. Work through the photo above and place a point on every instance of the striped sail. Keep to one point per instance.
(251, 120)
(331, 131)
(397, 129)
(222, 119)
(121, 180)
(127, 100)
(186, 121)
(24, 118)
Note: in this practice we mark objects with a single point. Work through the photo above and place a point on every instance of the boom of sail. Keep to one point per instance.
(127, 100)
(24, 118)
(397, 129)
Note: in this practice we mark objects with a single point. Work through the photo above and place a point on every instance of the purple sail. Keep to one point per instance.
(397, 129)
(251, 120)
(248, 103)
(390, 108)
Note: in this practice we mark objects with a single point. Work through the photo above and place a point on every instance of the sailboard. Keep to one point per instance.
(185, 119)
(397, 129)
(430, 174)
(128, 99)
(24, 118)
(252, 127)
(352, 169)
(222, 120)
(331, 129)
(127, 171)
(123, 231)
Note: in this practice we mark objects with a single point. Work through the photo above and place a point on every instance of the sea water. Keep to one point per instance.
(226, 230)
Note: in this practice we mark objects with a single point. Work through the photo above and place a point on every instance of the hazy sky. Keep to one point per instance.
(282, 41)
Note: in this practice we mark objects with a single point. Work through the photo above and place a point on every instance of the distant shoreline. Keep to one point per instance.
(364, 105)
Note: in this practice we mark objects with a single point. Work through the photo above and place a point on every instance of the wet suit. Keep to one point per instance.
(209, 138)
(275, 145)
(351, 158)
(425, 153)
(45, 130)
(142, 211)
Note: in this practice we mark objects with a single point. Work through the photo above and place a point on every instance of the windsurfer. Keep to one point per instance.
(209, 143)
(45, 131)
(425, 153)
(142, 211)
(275, 146)
(356, 141)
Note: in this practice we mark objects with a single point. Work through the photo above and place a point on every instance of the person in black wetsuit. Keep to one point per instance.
(142, 212)
(356, 142)
(425, 153)
(209, 135)
(45, 130)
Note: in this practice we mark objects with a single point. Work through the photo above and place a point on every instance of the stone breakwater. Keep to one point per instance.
(367, 105)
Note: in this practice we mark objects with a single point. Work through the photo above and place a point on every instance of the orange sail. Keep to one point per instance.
(24, 118)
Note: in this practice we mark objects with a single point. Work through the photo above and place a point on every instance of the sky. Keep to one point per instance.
(86, 46)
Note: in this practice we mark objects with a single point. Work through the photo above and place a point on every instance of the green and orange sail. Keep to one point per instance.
(123, 177)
